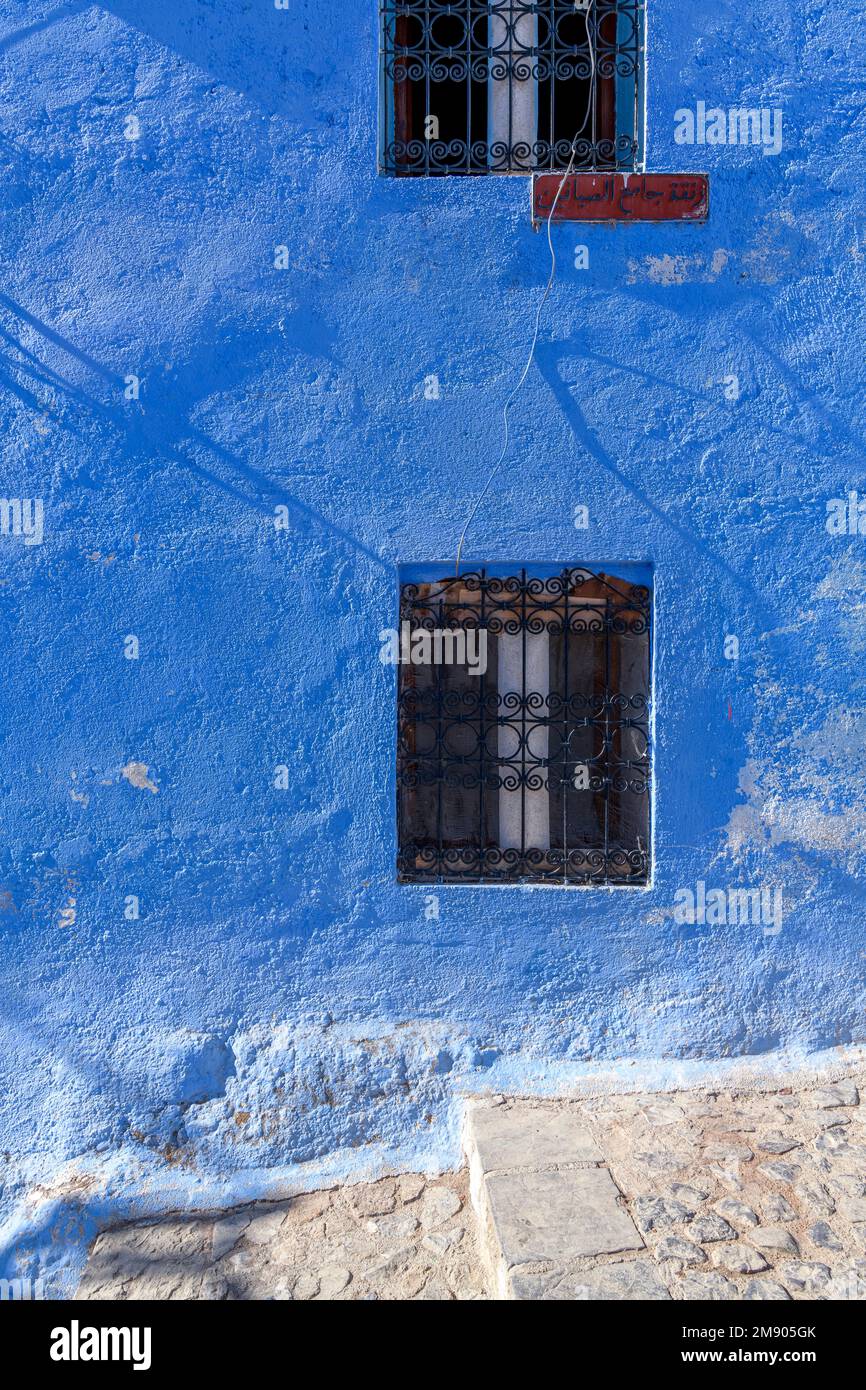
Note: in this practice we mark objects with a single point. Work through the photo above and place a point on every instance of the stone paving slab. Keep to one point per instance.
(558, 1216)
(504, 1139)
(636, 1280)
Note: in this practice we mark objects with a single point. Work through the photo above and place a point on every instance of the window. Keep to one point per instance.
(510, 86)
(523, 730)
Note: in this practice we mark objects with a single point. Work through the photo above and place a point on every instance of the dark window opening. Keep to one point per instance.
(533, 765)
(511, 86)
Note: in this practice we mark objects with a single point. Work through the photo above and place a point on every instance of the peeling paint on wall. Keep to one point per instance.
(136, 776)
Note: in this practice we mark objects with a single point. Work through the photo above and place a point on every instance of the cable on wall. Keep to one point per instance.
(544, 298)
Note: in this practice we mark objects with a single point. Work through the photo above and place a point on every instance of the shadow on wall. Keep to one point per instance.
(164, 431)
(245, 48)
(549, 356)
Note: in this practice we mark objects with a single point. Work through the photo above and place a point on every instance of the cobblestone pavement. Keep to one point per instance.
(401, 1238)
(734, 1196)
(692, 1195)
(750, 1196)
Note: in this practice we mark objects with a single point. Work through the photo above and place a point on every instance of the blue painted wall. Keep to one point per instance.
(280, 1000)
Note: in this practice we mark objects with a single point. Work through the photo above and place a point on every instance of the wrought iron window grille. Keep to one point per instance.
(535, 769)
(511, 86)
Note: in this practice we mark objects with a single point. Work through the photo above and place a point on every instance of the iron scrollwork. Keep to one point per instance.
(511, 86)
(550, 741)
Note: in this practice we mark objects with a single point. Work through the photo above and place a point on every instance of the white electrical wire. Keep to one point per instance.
(544, 298)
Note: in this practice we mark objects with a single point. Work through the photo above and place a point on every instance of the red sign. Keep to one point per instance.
(619, 197)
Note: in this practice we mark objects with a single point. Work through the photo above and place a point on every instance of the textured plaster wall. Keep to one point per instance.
(279, 1000)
